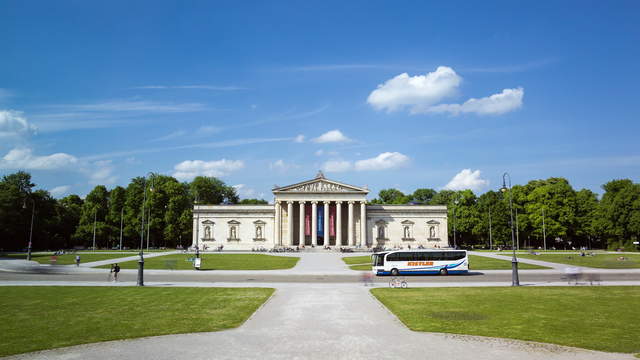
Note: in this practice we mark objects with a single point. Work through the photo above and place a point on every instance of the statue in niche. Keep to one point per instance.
(407, 235)
(233, 232)
(207, 232)
(380, 232)
(432, 232)
(259, 232)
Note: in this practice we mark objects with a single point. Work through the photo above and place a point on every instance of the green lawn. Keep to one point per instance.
(599, 318)
(604, 261)
(478, 262)
(37, 318)
(351, 260)
(215, 262)
(45, 258)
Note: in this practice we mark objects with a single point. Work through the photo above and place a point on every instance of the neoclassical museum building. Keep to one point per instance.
(319, 212)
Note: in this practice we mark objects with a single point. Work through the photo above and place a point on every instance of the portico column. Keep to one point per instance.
(277, 227)
(338, 223)
(314, 223)
(289, 223)
(326, 222)
(350, 226)
(363, 223)
(301, 241)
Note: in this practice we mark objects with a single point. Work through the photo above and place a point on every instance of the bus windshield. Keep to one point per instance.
(378, 259)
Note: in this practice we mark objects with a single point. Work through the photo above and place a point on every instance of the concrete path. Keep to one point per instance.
(123, 259)
(508, 257)
(320, 322)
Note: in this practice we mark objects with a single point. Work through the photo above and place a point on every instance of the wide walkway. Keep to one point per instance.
(320, 322)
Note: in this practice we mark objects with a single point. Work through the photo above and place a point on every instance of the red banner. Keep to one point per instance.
(332, 220)
(307, 220)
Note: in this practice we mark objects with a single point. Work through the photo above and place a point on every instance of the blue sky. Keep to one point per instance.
(384, 94)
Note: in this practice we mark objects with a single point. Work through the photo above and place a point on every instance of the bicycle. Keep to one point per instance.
(398, 283)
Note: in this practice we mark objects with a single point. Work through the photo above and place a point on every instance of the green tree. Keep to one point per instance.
(95, 207)
(423, 196)
(15, 210)
(212, 191)
(253, 202)
(619, 213)
(391, 196)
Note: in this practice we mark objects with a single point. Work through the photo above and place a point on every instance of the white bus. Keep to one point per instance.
(420, 262)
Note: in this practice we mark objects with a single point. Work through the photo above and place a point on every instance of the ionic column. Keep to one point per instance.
(326, 223)
(314, 223)
(289, 223)
(277, 227)
(301, 241)
(338, 223)
(350, 240)
(363, 223)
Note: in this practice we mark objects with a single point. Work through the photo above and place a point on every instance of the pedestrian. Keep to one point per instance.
(111, 273)
(77, 260)
(116, 270)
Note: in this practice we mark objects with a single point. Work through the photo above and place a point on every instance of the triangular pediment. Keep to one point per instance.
(320, 185)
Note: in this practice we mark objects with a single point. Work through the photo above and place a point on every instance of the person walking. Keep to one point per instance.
(116, 270)
(77, 260)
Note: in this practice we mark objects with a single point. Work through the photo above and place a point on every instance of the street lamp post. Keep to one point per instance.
(544, 231)
(455, 220)
(33, 212)
(141, 261)
(149, 214)
(517, 232)
(197, 226)
(95, 216)
(121, 218)
(515, 281)
(490, 238)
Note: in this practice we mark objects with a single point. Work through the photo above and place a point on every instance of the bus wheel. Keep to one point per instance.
(394, 272)
(444, 271)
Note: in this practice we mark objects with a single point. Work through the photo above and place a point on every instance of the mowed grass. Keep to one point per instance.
(215, 262)
(604, 261)
(363, 263)
(43, 317)
(67, 259)
(477, 262)
(599, 318)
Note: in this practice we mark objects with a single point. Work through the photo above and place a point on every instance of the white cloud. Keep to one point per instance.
(189, 169)
(208, 130)
(299, 138)
(281, 165)
(331, 136)
(496, 104)
(58, 191)
(23, 158)
(13, 123)
(467, 179)
(101, 173)
(136, 106)
(384, 161)
(199, 87)
(415, 91)
(244, 192)
(337, 166)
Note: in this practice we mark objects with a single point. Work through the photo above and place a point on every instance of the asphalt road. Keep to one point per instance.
(526, 276)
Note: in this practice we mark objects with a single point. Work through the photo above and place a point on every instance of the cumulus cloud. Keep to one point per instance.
(496, 104)
(299, 138)
(424, 94)
(414, 91)
(331, 136)
(467, 179)
(13, 123)
(23, 158)
(384, 161)
(58, 191)
(281, 165)
(244, 191)
(189, 169)
(337, 166)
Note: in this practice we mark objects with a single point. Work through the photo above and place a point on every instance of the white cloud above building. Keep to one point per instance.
(24, 159)
(411, 91)
(331, 136)
(384, 161)
(506, 101)
(423, 94)
(15, 124)
(189, 169)
(467, 179)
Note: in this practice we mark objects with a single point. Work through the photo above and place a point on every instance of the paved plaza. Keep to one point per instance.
(313, 317)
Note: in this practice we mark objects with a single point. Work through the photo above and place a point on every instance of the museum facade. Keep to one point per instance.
(319, 212)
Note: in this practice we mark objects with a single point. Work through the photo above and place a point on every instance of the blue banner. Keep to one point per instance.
(321, 220)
